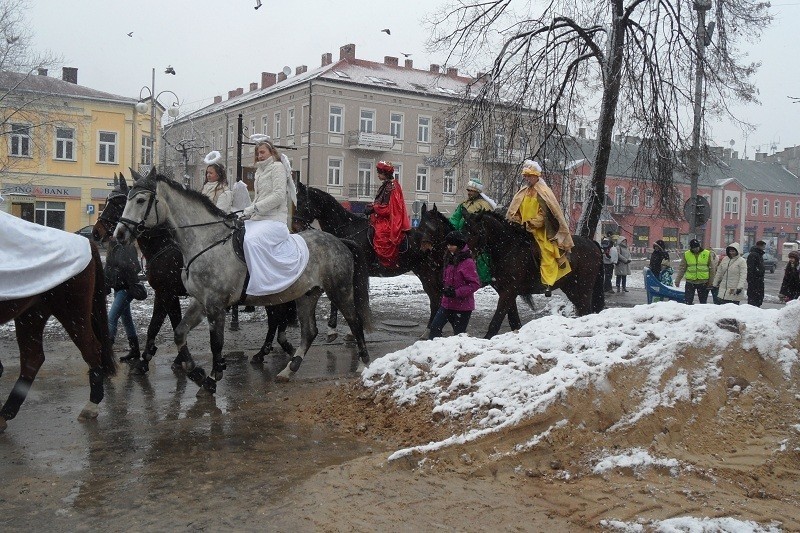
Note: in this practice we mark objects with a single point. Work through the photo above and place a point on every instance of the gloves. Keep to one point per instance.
(247, 212)
(738, 291)
(448, 291)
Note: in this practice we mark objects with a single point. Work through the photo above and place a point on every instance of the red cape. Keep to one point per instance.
(390, 221)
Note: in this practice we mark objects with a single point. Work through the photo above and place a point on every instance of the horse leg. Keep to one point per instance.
(175, 315)
(194, 314)
(160, 309)
(306, 313)
(351, 316)
(514, 321)
(332, 320)
(216, 328)
(29, 327)
(286, 311)
(272, 326)
(503, 305)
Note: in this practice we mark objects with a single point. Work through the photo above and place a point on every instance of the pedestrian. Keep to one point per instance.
(610, 258)
(121, 275)
(790, 287)
(476, 202)
(755, 274)
(215, 187)
(657, 258)
(536, 208)
(698, 267)
(623, 267)
(731, 276)
(460, 280)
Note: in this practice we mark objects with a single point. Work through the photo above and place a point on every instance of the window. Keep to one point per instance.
(578, 192)
(50, 214)
(220, 139)
(475, 139)
(787, 210)
(213, 141)
(335, 119)
(276, 124)
(735, 205)
(107, 147)
(619, 198)
(754, 206)
(65, 144)
(648, 198)
(367, 122)
(252, 128)
(334, 171)
(635, 197)
(396, 125)
(265, 125)
(797, 210)
(727, 204)
(20, 140)
(290, 122)
(449, 181)
(147, 151)
(230, 136)
(304, 119)
(450, 133)
(777, 210)
(398, 173)
(475, 175)
(424, 129)
(364, 178)
(499, 142)
(422, 179)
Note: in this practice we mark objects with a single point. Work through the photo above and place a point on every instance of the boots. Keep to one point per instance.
(134, 353)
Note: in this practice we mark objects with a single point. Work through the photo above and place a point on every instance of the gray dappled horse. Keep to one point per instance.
(214, 275)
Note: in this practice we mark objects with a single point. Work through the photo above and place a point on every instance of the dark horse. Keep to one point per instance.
(515, 266)
(425, 259)
(79, 304)
(164, 267)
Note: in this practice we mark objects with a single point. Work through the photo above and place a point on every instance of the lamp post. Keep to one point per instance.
(142, 107)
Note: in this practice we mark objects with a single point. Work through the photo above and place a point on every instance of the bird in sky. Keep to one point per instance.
(130, 34)
(258, 4)
(170, 70)
(386, 31)
(405, 54)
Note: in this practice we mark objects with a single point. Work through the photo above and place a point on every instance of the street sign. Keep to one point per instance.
(703, 210)
(416, 208)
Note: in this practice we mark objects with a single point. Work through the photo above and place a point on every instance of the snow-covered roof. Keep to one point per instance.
(50, 86)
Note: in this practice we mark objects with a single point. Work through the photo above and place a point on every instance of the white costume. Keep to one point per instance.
(241, 196)
(222, 197)
(275, 258)
(35, 258)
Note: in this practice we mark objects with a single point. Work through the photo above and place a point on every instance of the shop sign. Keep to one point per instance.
(43, 191)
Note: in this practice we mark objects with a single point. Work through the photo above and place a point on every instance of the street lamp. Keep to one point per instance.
(142, 107)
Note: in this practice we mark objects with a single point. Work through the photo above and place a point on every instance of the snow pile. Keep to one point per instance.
(642, 351)
(688, 524)
(636, 459)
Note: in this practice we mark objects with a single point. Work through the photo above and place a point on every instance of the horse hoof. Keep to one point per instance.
(294, 364)
(198, 375)
(361, 367)
(332, 336)
(140, 367)
(209, 386)
(285, 376)
(257, 359)
(89, 412)
(3, 424)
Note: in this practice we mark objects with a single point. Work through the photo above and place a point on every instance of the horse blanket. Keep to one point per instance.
(35, 258)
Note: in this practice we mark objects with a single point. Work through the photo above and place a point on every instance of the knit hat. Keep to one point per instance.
(457, 238)
(475, 185)
(694, 243)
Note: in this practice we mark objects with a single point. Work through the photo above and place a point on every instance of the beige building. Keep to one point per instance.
(339, 119)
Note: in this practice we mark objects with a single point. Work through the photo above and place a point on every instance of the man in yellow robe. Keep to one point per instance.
(536, 208)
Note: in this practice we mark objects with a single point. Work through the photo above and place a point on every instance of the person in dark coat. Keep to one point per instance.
(121, 275)
(460, 280)
(657, 257)
(755, 274)
(790, 288)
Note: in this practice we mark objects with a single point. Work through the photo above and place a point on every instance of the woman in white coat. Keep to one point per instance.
(731, 276)
(215, 188)
(275, 258)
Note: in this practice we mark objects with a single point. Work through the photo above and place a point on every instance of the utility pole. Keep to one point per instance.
(702, 39)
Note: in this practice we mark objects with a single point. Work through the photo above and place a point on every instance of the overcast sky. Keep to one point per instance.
(219, 45)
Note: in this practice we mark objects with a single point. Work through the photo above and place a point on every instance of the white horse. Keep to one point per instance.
(214, 275)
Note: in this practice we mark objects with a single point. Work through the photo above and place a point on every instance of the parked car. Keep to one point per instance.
(770, 262)
(86, 231)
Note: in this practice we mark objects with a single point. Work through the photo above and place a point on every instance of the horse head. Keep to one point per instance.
(433, 228)
(115, 204)
(304, 213)
(141, 209)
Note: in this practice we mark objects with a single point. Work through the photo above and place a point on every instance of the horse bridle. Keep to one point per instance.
(137, 227)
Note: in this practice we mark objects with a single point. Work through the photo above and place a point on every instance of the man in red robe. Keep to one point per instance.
(389, 217)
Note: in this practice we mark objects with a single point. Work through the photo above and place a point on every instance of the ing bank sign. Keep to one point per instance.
(43, 191)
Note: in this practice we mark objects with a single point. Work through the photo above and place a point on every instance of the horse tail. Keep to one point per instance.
(598, 294)
(528, 299)
(100, 316)
(360, 284)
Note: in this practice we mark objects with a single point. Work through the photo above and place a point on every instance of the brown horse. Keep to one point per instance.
(79, 304)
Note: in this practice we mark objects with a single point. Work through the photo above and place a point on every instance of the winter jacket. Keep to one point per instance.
(271, 199)
(731, 276)
(698, 268)
(755, 267)
(623, 267)
(657, 257)
(220, 195)
(460, 274)
(790, 288)
(122, 266)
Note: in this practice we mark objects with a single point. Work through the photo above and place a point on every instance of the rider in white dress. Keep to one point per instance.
(275, 258)
(215, 187)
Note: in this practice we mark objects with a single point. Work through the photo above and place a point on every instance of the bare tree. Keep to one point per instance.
(630, 63)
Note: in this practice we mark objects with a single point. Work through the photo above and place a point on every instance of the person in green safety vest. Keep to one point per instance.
(476, 201)
(698, 266)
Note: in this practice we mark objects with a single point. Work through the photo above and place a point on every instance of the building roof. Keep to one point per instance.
(50, 86)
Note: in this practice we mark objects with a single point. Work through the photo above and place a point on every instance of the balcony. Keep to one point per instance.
(506, 156)
(376, 142)
(358, 190)
(623, 209)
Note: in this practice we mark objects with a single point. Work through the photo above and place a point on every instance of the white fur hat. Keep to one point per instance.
(531, 168)
(257, 138)
(475, 184)
(212, 158)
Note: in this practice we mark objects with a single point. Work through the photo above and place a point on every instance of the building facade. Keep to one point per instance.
(63, 145)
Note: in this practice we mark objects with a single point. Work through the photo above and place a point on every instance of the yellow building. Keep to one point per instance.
(63, 143)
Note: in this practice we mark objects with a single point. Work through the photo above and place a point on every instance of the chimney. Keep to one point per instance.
(41, 71)
(281, 77)
(726, 153)
(267, 79)
(347, 51)
(300, 70)
(409, 63)
(327, 59)
(69, 74)
(231, 94)
(434, 68)
(452, 72)
(761, 156)
(253, 86)
(217, 99)
(390, 61)
(236, 92)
